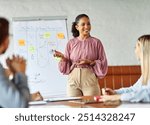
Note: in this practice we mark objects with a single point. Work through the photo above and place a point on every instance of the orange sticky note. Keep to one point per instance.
(21, 42)
(60, 36)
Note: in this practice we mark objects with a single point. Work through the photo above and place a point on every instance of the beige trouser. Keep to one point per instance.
(82, 82)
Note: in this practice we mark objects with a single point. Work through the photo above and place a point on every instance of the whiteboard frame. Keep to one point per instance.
(39, 18)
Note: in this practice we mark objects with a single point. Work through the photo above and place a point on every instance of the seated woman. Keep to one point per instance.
(140, 91)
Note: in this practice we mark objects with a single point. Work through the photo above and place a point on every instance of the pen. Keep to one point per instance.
(52, 51)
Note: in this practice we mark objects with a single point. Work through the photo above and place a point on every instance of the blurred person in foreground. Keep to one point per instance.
(14, 93)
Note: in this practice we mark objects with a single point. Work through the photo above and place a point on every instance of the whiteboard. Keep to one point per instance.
(35, 39)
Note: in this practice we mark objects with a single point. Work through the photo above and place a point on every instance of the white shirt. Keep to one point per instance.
(135, 93)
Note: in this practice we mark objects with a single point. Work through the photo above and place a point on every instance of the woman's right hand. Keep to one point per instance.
(108, 91)
(59, 54)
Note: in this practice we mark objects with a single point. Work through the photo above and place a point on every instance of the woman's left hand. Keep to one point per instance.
(86, 62)
(106, 98)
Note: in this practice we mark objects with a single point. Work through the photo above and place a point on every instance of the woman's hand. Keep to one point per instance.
(8, 72)
(106, 98)
(59, 55)
(16, 64)
(85, 62)
(108, 91)
(36, 96)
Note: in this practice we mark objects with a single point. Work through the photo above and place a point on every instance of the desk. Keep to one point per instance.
(78, 104)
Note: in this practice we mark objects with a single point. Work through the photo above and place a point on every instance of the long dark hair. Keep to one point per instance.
(74, 31)
(4, 29)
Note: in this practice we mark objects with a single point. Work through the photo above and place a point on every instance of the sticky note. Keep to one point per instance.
(60, 36)
(31, 49)
(21, 42)
(47, 35)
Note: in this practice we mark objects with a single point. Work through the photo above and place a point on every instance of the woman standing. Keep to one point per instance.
(84, 60)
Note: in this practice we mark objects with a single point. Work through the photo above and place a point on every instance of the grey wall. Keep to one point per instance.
(117, 23)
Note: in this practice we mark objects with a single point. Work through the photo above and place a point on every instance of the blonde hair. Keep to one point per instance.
(145, 61)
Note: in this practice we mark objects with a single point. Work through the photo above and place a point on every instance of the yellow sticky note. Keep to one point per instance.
(47, 35)
(21, 42)
(60, 36)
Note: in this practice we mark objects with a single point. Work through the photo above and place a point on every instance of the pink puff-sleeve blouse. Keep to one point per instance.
(91, 49)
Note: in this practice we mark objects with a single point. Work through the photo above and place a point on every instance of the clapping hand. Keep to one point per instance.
(16, 64)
